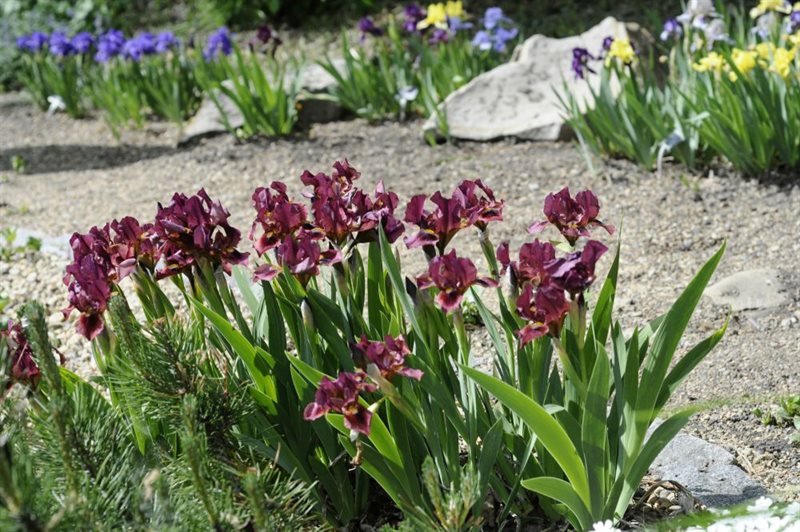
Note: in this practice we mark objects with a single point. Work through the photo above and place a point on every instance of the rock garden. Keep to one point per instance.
(453, 266)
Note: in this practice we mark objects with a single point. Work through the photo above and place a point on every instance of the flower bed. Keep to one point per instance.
(730, 91)
(407, 71)
(347, 375)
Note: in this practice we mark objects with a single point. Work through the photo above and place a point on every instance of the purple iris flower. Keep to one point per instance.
(493, 17)
(502, 36)
(414, 14)
(218, 42)
(367, 27)
(607, 43)
(165, 41)
(33, 42)
(456, 24)
(580, 62)
(439, 36)
(794, 22)
(482, 40)
(82, 42)
(109, 45)
(60, 44)
(672, 30)
(141, 45)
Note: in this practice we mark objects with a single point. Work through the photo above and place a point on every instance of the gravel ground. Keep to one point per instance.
(77, 176)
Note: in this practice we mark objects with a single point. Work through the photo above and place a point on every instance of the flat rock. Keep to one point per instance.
(708, 471)
(14, 99)
(208, 120)
(519, 99)
(54, 245)
(748, 290)
(315, 79)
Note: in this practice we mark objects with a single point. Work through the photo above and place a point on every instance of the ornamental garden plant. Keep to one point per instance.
(402, 70)
(312, 381)
(721, 85)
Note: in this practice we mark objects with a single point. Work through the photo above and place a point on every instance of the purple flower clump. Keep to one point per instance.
(33, 42)
(60, 45)
(414, 14)
(82, 42)
(497, 33)
(166, 41)
(367, 27)
(580, 62)
(218, 42)
(109, 45)
(672, 30)
(139, 46)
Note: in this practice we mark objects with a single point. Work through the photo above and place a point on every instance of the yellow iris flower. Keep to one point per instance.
(794, 40)
(437, 14)
(713, 62)
(770, 5)
(454, 9)
(745, 61)
(782, 61)
(622, 50)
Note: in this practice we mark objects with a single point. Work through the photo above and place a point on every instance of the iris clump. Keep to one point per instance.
(429, 52)
(498, 30)
(731, 74)
(370, 373)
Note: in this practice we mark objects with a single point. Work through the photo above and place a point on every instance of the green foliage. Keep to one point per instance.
(45, 76)
(736, 99)
(9, 246)
(244, 14)
(601, 453)
(635, 123)
(163, 86)
(787, 414)
(211, 407)
(376, 78)
(18, 164)
(262, 89)
(72, 457)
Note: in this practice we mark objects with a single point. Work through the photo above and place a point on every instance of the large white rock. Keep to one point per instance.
(519, 99)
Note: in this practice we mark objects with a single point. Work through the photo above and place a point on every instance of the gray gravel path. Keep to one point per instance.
(77, 176)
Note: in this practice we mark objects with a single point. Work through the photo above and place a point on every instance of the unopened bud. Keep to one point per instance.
(384, 385)
(308, 316)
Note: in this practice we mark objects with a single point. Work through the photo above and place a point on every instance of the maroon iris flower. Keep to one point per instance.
(452, 276)
(88, 293)
(488, 208)
(573, 217)
(302, 255)
(439, 226)
(22, 368)
(102, 257)
(339, 183)
(341, 210)
(389, 357)
(192, 228)
(378, 210)
(131, 244)
(341, 396)
(463, 209)
(544, 309)
(575, 272)
(531, 267)
(276, 216)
